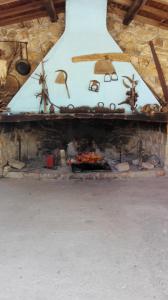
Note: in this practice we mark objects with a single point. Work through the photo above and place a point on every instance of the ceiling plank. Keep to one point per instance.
(158, 12)
(120, 12)
(133, 11)
(49, 4)
(25, 8)
(122, 2)
(164, 2)
(20, 19)
(27, 11)
(2, 2)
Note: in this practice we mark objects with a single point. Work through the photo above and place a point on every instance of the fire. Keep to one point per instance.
(89, 157)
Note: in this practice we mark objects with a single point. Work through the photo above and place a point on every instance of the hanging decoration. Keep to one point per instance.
(94, 86)
(62, 78)
(132, 95)
(110, 77)
(43, 95)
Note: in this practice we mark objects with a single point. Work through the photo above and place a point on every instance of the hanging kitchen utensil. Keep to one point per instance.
(94, 86)
(62, 78)
(23, 66)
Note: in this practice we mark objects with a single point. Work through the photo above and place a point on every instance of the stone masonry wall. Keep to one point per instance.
(133, 39)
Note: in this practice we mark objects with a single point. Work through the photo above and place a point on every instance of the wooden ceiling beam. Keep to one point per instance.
(19, 10)
(153, 12)
(49, 5)
(27, 11)
(122, 2)
(20, 19)
(2, 2)
(133, 11)
(157, 12)
(162, 2)
(30, 15)
(120, 12)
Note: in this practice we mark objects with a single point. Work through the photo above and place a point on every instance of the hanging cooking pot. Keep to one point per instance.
(23, 66)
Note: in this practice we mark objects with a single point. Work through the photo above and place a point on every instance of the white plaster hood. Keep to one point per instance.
(85, 33)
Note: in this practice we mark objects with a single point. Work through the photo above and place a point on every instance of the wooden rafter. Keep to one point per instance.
(133, 11)
(17, 11)
(49, 4)
(6, 1)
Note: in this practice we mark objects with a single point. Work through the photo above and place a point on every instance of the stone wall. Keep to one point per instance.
(133, 39)
(40, 34)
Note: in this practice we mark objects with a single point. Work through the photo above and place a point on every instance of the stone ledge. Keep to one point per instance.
(54, 175)
(36, 117)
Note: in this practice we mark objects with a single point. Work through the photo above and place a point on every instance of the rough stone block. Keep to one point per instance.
(3, 161)
(1, 171)
(15, 175)
(135, 162)
(160, 173)
(147, 166)
(16, 164)
(6, 170)
(122, 167)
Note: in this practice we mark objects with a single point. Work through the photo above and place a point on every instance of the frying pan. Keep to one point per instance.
(23, 66)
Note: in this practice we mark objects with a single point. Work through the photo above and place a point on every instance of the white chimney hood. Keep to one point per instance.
(85, 33)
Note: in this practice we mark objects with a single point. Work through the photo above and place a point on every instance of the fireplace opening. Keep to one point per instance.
(83, 146)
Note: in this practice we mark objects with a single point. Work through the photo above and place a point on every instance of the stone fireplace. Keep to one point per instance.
(127, 141)
(118, 141)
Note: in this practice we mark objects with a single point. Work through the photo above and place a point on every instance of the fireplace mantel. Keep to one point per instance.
(33, 117)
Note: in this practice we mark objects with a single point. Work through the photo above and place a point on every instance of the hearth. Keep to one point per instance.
(92, 145)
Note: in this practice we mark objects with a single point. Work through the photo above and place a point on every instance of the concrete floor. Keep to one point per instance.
(96, 240)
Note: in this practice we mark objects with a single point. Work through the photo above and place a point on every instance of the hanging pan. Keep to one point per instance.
(23, 66)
